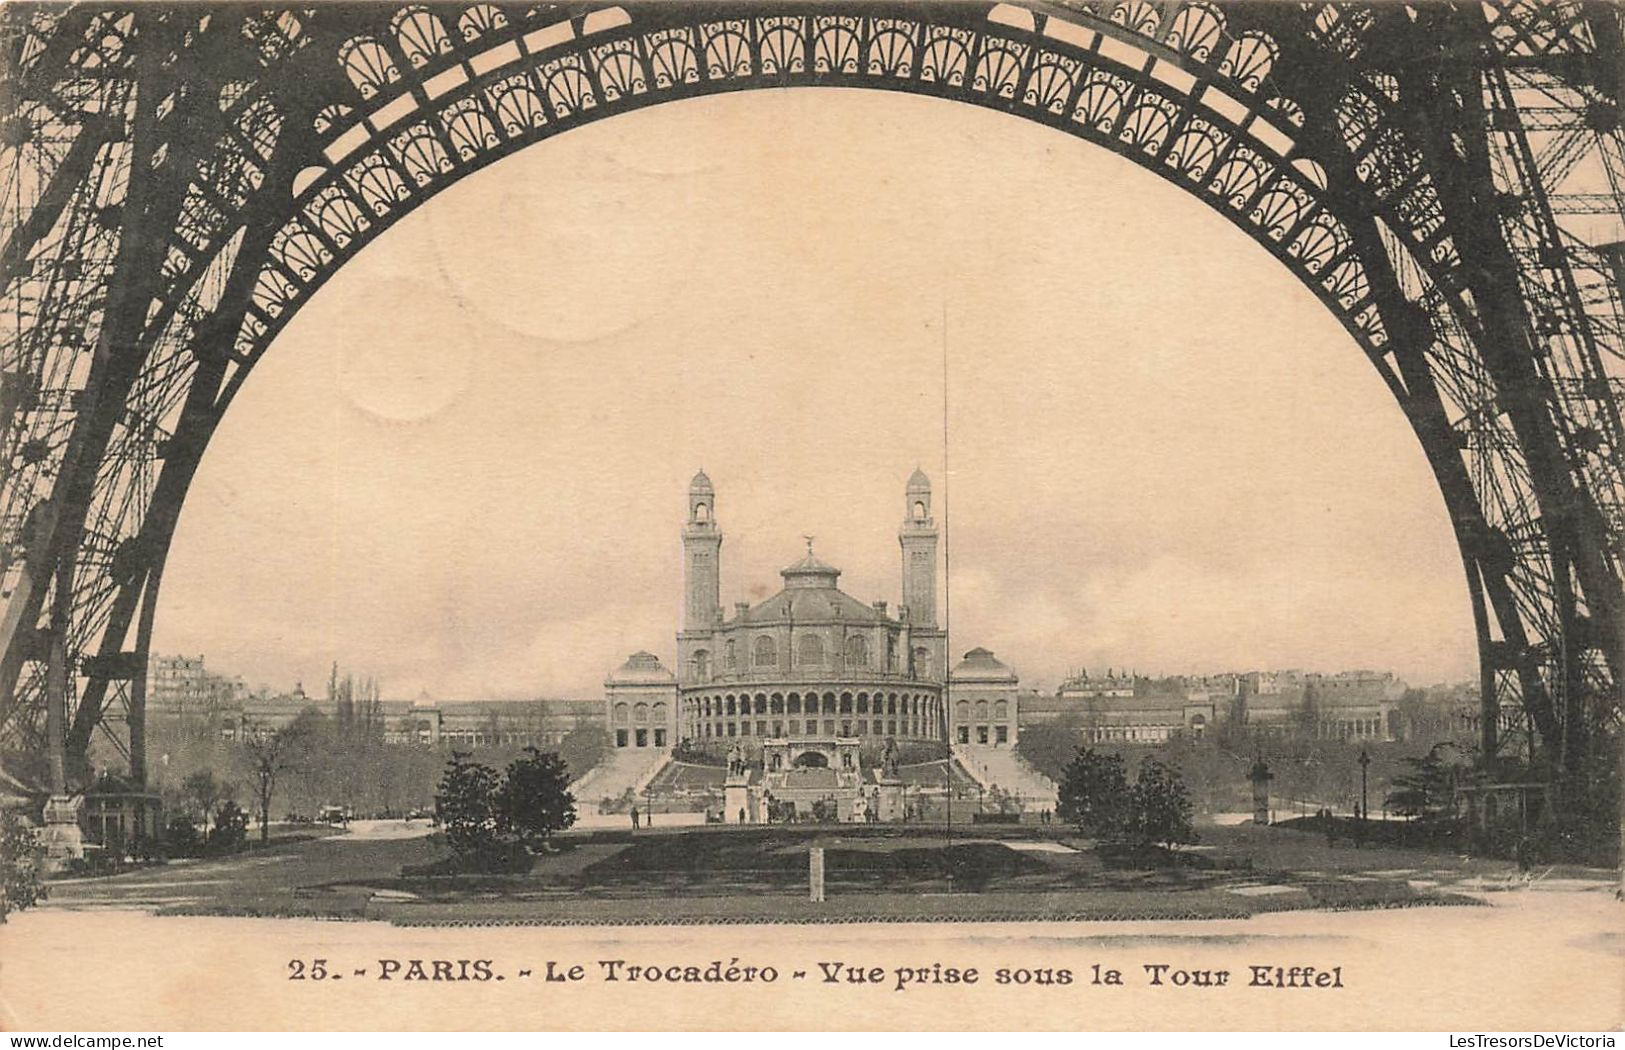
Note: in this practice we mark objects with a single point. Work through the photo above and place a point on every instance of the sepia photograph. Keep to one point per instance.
(821, 515)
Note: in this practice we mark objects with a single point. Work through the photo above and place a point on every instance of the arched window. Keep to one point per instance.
(702, 512)
(701, 662)
(810, 651)
(981, 710)
(1001, 710)
(622, 713)
(962, 711)
(857, 652)
(922, 661)
(640, 714)
(658, 712)
(765, 653)
(919, 510)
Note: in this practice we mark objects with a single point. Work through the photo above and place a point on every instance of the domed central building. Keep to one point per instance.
(811, 661)
(810, 691)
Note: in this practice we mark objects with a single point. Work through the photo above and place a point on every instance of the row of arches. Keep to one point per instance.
(846, 713)
(1351, 729)
(844, 703)
(998, 711)
(639, 713)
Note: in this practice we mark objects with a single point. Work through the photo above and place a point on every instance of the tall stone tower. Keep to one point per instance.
(702, 559)
(918, 538)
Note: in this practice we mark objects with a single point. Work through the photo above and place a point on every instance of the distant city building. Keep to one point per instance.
(1123, 708)
(182, 694)
(469, 723)
(1080, 687)
(1349, 705)
(181, 685)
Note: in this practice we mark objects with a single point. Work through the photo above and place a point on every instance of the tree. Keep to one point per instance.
(1094, 794)
(584, 747)
(268, 756)
(1162, 808)
(1307, 715)
(1413, 713)
(466, 806)
(203, 793)
(1049, 746)
(534, 800)
(1428, 792)
(21, 858)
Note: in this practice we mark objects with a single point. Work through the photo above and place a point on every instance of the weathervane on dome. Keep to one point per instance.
(809, 540)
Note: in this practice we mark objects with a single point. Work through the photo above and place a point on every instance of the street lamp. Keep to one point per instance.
(1365, 762)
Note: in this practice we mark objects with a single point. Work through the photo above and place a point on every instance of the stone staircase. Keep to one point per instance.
(626, 767)
(1002, 767)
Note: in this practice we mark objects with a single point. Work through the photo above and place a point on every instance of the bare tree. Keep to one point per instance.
(268, 756)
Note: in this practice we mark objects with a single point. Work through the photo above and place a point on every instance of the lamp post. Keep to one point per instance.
(1365, 762)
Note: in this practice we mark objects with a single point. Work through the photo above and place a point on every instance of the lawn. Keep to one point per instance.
(915, 872)
(714, 874)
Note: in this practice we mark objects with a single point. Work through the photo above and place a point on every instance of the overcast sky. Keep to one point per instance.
(462, 467)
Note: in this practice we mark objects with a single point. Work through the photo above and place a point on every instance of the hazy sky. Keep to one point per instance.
(462, 467)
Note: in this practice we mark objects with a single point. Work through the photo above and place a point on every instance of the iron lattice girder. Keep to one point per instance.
(274, 146)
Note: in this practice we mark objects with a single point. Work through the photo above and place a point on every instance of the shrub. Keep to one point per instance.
(182, 838)
(1161, 806)
(230, 831)
(1095, 794)
(21, 859)
(491, 825)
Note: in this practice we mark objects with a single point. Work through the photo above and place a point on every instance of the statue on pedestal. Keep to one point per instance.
(736, 761)
(888, 760)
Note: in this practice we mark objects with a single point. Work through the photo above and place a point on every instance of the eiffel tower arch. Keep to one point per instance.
(178, 180)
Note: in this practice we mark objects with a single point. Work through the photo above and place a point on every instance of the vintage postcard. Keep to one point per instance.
(819, 514)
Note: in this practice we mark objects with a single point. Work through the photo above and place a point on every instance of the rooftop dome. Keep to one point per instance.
(918, 482)
(810, 572)
(981, 665)
(642, 666)
(701, 483)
